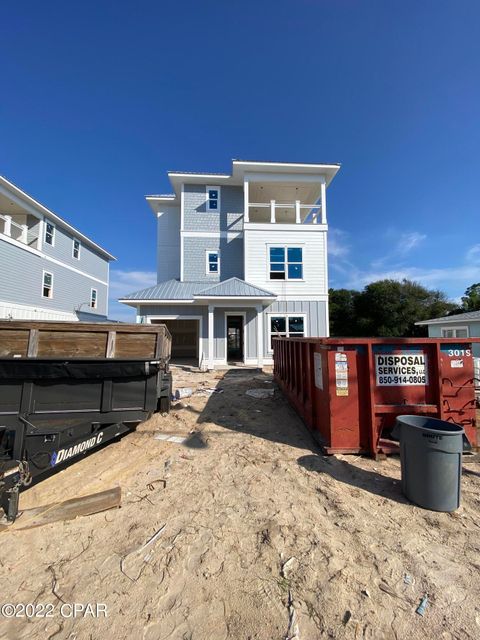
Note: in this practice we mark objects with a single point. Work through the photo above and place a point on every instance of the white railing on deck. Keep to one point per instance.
(19, 232)
(314, 213)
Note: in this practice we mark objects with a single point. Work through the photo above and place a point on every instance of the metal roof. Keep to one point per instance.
(234, 288)
(176, 290)
(469, 315)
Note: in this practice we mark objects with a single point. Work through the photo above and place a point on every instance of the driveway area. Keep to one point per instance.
(238, 527)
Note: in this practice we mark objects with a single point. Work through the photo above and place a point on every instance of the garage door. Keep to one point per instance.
(184, 337)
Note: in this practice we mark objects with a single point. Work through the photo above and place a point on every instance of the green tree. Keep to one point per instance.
(385, 308)
(471, 299)
(342, 312)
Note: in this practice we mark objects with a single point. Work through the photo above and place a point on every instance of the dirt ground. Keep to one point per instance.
(254, 534)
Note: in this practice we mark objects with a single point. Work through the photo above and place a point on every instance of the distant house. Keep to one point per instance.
(49, 270)
(463, 325)
(241, 258)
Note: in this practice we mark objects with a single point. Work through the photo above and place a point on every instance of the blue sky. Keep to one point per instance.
(99, 99)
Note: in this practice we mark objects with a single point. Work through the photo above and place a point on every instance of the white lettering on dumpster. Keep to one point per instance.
(401, 369)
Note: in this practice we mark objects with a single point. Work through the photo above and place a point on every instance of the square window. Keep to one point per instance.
(294, 254)
(295, 325)
(277, 254)
(212, 194)
(295, 271)
(278, 325)
(213, 204)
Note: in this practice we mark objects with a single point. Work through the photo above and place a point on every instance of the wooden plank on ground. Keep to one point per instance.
(68, 510)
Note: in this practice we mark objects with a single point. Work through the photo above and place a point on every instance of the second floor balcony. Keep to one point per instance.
(22, 228)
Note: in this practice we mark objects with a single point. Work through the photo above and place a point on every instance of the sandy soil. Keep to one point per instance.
(263, 537)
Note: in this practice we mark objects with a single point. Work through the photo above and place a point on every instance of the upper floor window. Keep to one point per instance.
(93, 299)
(213, 262)
(286, 263)
(50, 233)
(47, 285)
(213, 198)
(76, 249)
(455, 332)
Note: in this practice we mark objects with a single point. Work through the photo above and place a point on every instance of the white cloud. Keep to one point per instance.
(473, 254)
(338, 246)
(409, 241)
(122, 283)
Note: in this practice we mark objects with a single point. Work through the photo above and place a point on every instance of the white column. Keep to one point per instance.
(272, 211)
(323, 192)
(297, 211)
(260, 335)
(246, 214)
(24, 234)
(8, 226)
(210, 336)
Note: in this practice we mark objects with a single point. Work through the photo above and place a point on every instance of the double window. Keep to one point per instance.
(286, 263)
(213, 198)
(289, 325)
(76, 249)
(455, 332)
(49, 233)
(47, 285)
(213, 262)
(93, 298)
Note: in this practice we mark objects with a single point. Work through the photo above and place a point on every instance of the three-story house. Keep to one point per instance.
(241, 257)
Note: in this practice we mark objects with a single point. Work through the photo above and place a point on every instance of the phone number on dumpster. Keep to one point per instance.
(401, 369)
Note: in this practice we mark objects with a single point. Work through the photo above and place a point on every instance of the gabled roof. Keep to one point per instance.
(459, 317)
(234, 288)
(190, 291)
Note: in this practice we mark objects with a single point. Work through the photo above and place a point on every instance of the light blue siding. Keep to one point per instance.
(22, 278)
(435, 331)
(197, 218)
(231, 258)
(315, 312)
(250, 329)
(90, 262)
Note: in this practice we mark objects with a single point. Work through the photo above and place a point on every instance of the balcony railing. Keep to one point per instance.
(20, 232)
(289, 213)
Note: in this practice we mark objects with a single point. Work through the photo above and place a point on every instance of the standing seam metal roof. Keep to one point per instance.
(176, 290)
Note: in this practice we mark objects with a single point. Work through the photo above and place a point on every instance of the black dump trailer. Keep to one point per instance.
(69, 387)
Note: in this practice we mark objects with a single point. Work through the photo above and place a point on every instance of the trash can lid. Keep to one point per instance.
(441, 427)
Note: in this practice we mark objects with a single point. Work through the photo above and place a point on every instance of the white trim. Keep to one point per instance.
(180, 317)
(182, 218)
(287, 315)
(160, 302)
(301, 297)
(29, 312)
(45, 231)
(211, 336)
(91, 306)
(79, 248)
(456, 318)
(244, 331)
(212, 234)
(40, 254)
(455, 328)
(43, 284)
(207, 201)
(209, 252)
(280, 226)
(260, 330)
(236, 299)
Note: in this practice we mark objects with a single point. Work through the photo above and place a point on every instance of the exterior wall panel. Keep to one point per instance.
(228, 218)
(231, 258)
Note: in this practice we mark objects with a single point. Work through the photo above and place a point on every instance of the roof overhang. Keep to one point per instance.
(211, 299)
(458, 319)
(36, 208)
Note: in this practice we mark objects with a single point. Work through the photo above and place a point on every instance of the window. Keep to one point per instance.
(93, 299)
(47, 287)
(50, 233)
(213, 262)
(290, 326)
(455, 332)
(286, 263)
(76, 249)
(213, 198)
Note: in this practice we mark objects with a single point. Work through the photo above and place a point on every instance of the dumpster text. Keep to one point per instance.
(401, 369)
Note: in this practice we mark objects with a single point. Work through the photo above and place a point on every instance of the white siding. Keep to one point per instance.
(313, 243)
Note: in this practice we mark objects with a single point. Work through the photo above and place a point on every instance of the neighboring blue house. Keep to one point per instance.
(241, 257)
(49, 270)
(463, 325)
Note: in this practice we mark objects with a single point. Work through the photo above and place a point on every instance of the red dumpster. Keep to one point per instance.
(349, 391)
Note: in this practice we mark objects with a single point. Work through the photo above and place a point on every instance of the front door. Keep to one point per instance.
(235, 339)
